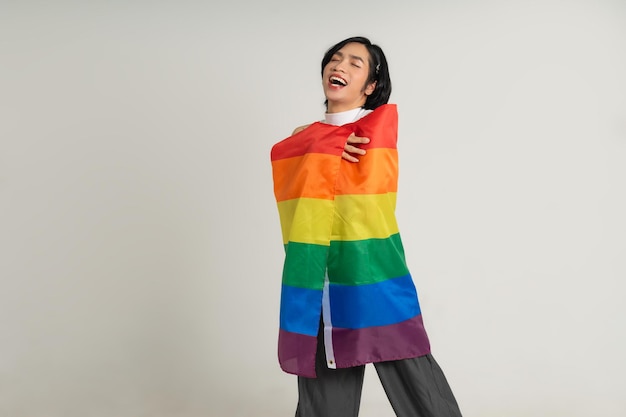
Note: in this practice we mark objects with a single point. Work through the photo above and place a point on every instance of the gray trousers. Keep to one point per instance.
(415, 387)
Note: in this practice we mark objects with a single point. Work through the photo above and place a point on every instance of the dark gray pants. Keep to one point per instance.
(415, 387)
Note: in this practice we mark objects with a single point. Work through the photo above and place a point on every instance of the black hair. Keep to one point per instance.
(378, 71)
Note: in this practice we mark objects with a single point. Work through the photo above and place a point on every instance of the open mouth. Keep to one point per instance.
(334, 80)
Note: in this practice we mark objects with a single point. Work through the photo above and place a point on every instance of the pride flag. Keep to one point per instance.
(344, 259)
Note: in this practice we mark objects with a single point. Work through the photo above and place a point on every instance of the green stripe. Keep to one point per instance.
(354, 262)
(305, 265)
(366, 261)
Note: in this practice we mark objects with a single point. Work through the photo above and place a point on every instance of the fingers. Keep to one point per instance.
(348, 157)
(354, 149)
(357, 139)
(349, 149)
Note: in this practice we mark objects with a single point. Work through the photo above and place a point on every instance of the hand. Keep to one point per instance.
(351, 149)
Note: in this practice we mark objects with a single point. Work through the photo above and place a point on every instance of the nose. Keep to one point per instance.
(338, 65)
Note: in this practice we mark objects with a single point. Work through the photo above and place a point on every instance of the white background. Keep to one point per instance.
(140, 250)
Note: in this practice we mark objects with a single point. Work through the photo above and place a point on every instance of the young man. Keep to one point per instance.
(348, 298)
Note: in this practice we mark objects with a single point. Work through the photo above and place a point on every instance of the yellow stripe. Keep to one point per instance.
(348, 217)
(365, 216)
(306, 220)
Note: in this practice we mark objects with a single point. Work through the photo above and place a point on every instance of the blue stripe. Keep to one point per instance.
(380, 304)
(300, 310)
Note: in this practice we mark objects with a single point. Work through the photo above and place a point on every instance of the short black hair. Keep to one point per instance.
(379, 71)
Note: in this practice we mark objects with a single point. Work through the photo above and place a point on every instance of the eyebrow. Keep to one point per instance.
(358, 58)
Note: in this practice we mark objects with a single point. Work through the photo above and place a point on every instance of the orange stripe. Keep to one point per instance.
(309, 176)
(318, 175)
(375, 173)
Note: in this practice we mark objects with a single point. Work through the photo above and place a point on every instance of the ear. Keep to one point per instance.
(369, 89)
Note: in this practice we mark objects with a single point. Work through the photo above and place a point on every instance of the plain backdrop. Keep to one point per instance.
(140, 249)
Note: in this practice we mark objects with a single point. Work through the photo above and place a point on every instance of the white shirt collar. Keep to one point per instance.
(349, 116)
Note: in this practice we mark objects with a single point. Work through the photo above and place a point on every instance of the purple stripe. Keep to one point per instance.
(403, 340)
(296, 353)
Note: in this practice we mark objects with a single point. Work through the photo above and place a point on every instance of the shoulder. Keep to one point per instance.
(300, 129)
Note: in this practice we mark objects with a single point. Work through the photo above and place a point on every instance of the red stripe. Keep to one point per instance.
(317, 138)
(381, 126)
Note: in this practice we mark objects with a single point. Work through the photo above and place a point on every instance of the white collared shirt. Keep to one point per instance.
(348, 116)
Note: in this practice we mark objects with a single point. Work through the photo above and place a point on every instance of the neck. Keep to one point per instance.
(338, 107)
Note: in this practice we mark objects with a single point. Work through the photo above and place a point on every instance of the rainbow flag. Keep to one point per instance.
(344, 258)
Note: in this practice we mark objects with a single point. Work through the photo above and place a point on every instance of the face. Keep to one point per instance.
(344, 78)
